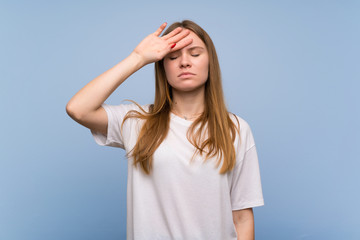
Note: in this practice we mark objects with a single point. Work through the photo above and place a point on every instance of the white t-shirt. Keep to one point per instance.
(183, 200)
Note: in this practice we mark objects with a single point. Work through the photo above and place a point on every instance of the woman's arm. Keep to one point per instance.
(244, 224)
(85, 106)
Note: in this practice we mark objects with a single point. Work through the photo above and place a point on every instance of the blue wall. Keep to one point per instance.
(290, 69)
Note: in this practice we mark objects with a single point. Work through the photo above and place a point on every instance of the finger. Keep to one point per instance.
(181, 44)
(160, 29)
(179, 36)
(172, 33)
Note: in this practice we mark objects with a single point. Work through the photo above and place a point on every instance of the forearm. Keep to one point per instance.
(244, 224)
(245, 230)
(92, 95)
(151, 49)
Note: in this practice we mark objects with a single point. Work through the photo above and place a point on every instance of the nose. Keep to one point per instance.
(185, 61)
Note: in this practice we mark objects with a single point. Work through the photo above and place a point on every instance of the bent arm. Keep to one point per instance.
(85, 106)
(244, 224)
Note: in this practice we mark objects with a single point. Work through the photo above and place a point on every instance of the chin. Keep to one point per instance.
(188, 88)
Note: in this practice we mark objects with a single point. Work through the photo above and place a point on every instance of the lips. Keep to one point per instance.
(186, 74)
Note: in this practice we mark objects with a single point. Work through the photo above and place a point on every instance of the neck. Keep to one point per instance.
(188, 104)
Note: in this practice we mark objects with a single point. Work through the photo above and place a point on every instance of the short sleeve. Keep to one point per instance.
(114, 136)
(246, 189)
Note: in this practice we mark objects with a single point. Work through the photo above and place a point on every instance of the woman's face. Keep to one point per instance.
(187, 68)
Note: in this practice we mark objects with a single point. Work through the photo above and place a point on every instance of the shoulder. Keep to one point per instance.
(239, 122)
(125, 108)
(244, 135)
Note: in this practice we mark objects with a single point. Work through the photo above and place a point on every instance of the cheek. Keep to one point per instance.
(204, 66)
(206, 71)
(169, 72)
(203, 62)
(168, 67)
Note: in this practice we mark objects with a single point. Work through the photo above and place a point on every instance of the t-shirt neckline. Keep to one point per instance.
(180, 119)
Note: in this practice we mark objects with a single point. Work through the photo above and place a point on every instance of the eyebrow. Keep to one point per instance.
(195, 47)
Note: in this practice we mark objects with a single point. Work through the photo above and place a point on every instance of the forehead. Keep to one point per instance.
(196, 41)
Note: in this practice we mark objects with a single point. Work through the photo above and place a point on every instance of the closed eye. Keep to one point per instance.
(175, 57)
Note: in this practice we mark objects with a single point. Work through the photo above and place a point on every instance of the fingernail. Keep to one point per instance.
(172, 46)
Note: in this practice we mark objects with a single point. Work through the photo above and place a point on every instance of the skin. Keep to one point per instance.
(85, 106)
(188, 90)
(244, 224)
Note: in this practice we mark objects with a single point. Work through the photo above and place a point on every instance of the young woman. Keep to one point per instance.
(193, 170)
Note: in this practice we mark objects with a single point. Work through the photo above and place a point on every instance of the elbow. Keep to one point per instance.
(72, 112)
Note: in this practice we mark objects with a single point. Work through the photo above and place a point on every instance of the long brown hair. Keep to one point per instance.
(215, 120)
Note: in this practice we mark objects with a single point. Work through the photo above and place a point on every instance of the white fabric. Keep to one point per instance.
(180, 200)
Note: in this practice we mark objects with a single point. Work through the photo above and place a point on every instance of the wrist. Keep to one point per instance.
(137, 59)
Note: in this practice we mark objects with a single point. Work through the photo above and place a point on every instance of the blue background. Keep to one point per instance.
(290, 69)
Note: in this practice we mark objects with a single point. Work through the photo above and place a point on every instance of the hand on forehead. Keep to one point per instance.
(181, 37)
(190, 41)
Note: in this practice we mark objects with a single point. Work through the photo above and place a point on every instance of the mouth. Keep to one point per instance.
(186, 74)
